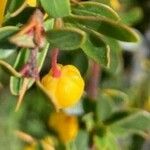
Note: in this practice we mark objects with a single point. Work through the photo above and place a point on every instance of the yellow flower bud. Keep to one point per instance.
(65, 90)
(2, 10)
(65, 125)
(32, 3)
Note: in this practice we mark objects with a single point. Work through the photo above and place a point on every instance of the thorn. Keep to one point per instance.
(22, 93)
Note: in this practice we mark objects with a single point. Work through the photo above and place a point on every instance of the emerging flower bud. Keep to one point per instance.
(65, 125)
(66, 89)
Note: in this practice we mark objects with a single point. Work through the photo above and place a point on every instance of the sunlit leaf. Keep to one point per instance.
(57, 8)
(95, 9)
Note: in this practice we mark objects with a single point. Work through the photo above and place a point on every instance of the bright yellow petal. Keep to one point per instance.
(2, 10)
(67, 89)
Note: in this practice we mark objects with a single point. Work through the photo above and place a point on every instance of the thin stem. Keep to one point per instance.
(55, 69)
(19, 10)
(30, 69)
(22, 93)
(10, 68)
(92, 87)
(55, 51)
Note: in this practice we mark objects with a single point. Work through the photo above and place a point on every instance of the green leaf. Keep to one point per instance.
(95, 9)
(6, 32)
(6, 49)
(82, 140)
(6, 53)
(16, 83)
(132, 16)
(48, 24)
(105, 26)
(107, 142)
(12, 5)
(56, 8)
(77, 58)
(107, 2)
(104, 108)
(119, 98)
(115, 55)
(135, 123)
(96, 48)
(66, 39)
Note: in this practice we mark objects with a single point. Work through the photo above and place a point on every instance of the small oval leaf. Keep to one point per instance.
(56, 8)
(105, 26)
(65, 39)
(95, 9)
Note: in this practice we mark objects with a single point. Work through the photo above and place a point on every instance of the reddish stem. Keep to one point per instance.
(30, 68)
(55, 69)
(92, 87)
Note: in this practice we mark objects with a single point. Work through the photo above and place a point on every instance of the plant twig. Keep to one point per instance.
(55, 51)
(92, 85)
(22, 93)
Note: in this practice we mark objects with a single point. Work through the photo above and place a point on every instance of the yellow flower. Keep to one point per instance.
(65, 125)
(65, 90)
(32, 3)
(2, 10)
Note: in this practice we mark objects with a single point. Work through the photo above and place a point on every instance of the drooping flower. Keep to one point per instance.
(67, 89)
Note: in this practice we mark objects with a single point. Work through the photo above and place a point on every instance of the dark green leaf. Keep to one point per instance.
(16, 83)
(12, 5)
(104, 108)
(6, 32)
(57, 8)
(96, 48)
(66, 39)
(82, 140)
(115, 55)
(6, 49)
(105, 26)
(95, 9)
(77, 58)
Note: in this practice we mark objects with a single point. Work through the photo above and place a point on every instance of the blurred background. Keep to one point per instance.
(129, 73)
